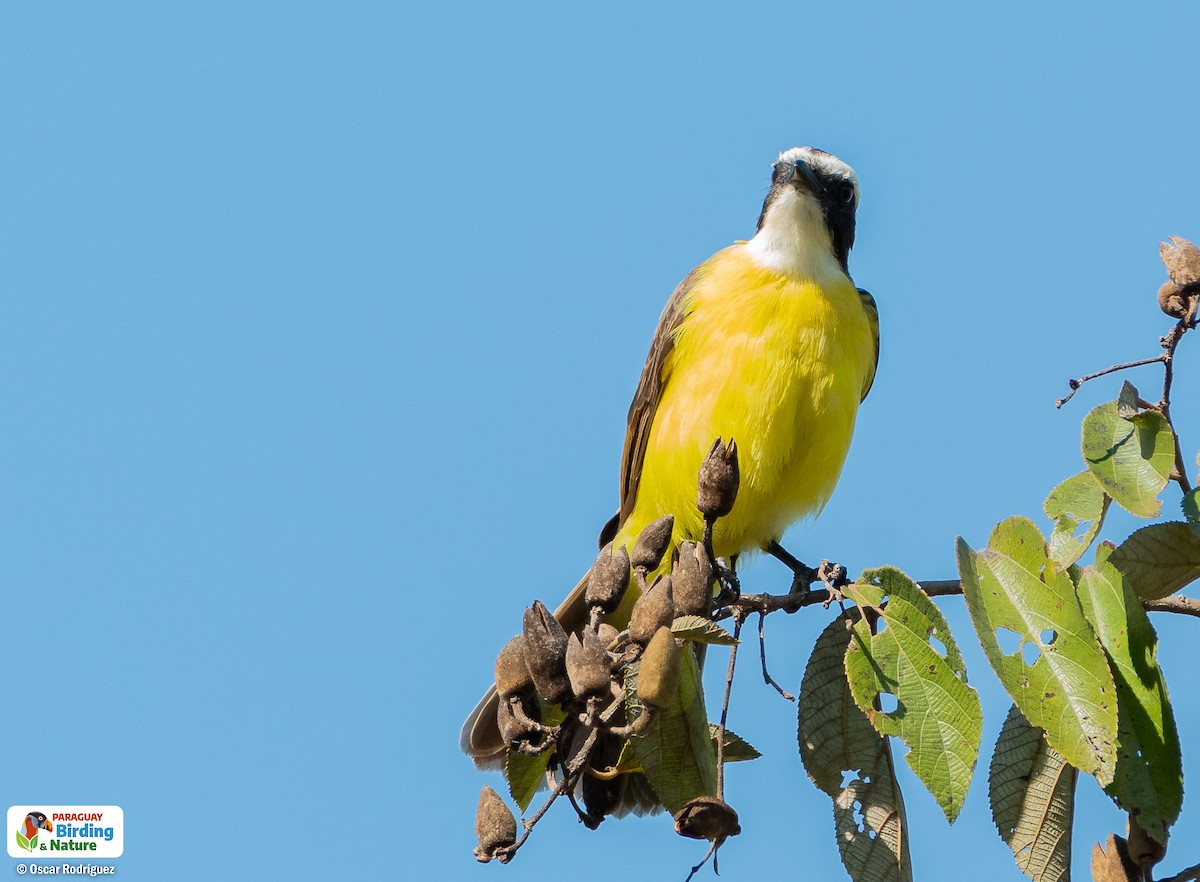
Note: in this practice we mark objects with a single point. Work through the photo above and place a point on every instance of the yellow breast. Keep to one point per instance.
(778, 364)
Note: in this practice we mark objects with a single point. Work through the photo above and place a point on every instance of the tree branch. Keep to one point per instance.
(1188, 875)
(796, 600)
(1076, 383)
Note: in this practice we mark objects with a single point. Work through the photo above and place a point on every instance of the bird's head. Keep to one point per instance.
(811, 204)
(37, 821)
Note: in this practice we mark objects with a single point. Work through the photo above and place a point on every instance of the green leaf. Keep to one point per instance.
(937, 714)
(23, 842)
(737, 748)
(1078, 502)
(1159, 559)
(1149, 773)
(701, 630)
(525, 774)
(851, 762)
(676, 750)
(1131, 458)
(1032, 792)
(1067, 689)
(1191, 506)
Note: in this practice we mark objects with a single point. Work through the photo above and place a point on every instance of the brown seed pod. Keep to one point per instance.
(607, 634)
(1182, 260)
(691, 581)
(652, 543)
(587, 666)
(1172, 300)
(495, 827)
(653, 610)
(1144, 850)
(608, 579)
(512, 673)
(658, 671)
(546, 654)
(719, 478)
(707, 817)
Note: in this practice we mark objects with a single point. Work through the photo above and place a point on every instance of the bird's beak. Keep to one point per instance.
(803, 175)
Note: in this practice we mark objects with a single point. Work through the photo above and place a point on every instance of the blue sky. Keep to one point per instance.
(321, 322)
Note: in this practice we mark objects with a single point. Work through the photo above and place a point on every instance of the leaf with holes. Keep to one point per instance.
(1065, 685)
(936, 714)
(851, 762)
(1149, 774)
(676, 749)
(526, 774)
(1078, 503)
(698, 629)
(1159, 559)
(1131, 458)
(1032, 792)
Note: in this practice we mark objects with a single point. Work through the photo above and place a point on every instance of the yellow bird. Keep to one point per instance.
(767, 342)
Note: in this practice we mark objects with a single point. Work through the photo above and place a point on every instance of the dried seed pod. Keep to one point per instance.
(653, 610)
(607, 634)
(658, 671)
(1144, 850)
(1172, 300)
(512, 672)
(707, 817)
(546, 654)
(652, 543)
(587, 666)
(608, 579)
(495, 827)
(513, 729)
(691, 581)
(1182, 260)
(719, 478)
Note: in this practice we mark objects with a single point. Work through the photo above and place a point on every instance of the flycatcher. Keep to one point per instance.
(767, 342)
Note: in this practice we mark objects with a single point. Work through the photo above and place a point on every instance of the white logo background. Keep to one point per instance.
(110, 816)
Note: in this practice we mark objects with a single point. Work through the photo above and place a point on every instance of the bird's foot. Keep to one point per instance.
(730, 586)
(803, 576)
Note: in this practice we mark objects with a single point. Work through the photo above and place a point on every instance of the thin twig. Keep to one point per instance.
(1188, 875)
(738, 617)
(1076, 383)
(712, 849)
(1170, 342)
(762, 654)
(792, 602)
(570, 775)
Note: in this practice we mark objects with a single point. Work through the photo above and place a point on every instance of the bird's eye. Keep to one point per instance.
(845, 192)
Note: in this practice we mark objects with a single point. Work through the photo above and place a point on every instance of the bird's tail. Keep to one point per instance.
(480, 736)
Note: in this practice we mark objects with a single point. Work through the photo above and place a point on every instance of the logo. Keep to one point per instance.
(27, 833)
(66, 831)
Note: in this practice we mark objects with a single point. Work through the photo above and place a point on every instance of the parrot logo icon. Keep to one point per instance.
(27, 833)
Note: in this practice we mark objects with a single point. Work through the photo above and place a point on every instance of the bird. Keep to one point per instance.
(35, 821)
(768, 342)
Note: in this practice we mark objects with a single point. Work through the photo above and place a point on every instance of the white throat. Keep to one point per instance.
(794, 239)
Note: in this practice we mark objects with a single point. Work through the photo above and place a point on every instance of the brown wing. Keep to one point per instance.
(646, 398)
(872, 311)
